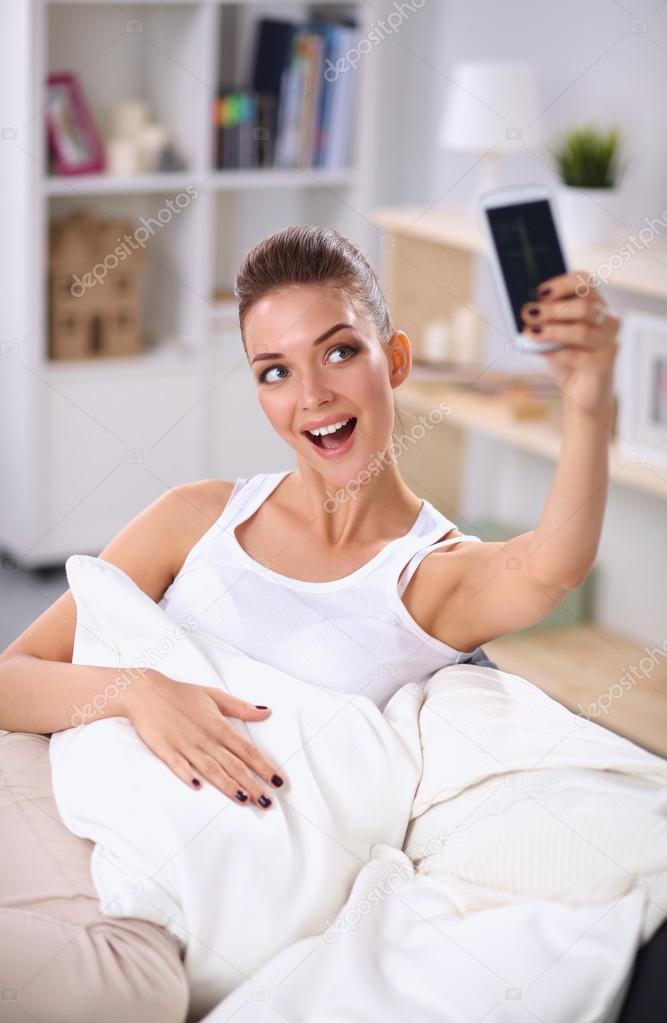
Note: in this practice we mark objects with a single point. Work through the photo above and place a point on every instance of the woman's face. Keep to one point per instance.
(316, 358)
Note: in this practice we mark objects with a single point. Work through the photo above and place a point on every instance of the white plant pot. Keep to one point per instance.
(586, 214)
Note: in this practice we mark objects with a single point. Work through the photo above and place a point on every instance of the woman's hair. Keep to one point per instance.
(306, 254)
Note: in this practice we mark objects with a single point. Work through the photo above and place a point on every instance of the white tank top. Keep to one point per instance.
(353, 635)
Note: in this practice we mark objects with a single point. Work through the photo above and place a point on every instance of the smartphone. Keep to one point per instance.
(525, 250)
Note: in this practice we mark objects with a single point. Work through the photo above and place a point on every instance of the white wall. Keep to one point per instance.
(602, 62)
(590, 66)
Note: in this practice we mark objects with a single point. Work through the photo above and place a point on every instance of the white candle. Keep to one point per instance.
(127, 119)
(467, 341)
(122, 156)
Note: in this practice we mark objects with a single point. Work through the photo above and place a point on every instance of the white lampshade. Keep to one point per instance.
(491, 102)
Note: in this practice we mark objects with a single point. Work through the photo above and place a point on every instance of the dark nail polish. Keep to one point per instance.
(196, 782)
(533, 310)
(542, 292)
(276, 780)
(263, 801)
(260, 706)
(242, 796)
(536, 330)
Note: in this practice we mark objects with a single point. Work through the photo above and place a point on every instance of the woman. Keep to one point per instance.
(337, 573)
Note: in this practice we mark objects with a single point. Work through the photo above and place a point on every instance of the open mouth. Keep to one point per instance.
(334, 440)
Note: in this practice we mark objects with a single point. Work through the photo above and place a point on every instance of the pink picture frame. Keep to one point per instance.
(74, 143)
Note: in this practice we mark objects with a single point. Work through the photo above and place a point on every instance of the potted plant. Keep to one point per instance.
(588, 164)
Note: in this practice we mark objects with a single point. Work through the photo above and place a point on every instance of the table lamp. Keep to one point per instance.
(488, 109)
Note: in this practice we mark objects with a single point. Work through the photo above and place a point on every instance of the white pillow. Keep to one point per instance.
(522, 799)
(233, 883)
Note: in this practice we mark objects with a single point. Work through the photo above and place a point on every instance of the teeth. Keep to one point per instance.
(329, 429)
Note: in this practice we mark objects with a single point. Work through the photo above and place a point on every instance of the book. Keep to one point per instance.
(289, 113)
(337, 130)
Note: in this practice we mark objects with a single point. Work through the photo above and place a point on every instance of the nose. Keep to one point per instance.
(314, 391)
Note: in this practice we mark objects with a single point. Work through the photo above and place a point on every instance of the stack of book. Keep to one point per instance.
(297, 110)
(244, 125)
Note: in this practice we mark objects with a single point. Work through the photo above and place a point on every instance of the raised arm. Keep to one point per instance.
(504, 587)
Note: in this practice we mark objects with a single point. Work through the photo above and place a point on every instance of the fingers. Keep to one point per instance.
(578, 335)
(564, 310)
(227, 772)
(577, 322)
(234, 707)
(211, 748)
(249, 754)
(182, 768)
(221, 768)
(576, 283)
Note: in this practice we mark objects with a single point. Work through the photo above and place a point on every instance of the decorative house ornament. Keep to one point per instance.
(95, 286)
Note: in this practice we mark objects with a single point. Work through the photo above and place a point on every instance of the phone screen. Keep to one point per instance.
(528, 249)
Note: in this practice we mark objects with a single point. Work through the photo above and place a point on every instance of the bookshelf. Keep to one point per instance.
(106, 184)
(491, 416)
(87, 444)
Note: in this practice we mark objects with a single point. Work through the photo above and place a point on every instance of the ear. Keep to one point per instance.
(400, 357)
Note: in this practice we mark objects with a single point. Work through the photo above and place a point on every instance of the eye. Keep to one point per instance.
(264, 377)
(349, 348)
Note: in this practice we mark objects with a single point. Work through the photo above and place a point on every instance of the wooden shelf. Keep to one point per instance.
(164, 356)
(143, 184)
(491, 416)
(108, 184)
(291, 177)
(129, 3)
(168, 356)
(189, 3)
(644, 274)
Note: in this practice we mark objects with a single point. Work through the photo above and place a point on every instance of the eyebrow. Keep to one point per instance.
(318, 341)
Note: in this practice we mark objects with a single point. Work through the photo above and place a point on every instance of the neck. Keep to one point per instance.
(367, 507)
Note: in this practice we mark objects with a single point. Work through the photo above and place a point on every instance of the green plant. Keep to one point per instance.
(588, 158)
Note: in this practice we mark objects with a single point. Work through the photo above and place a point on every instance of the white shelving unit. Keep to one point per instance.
(85, 445)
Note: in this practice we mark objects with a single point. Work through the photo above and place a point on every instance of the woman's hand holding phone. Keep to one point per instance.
(185, 726)
(572, 313)
(549, 310)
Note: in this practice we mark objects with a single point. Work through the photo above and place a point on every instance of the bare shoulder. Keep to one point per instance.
(194, 508)
(150, 550)
(457, 567)
(441, 571)
(156, 542)
(435, 596)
